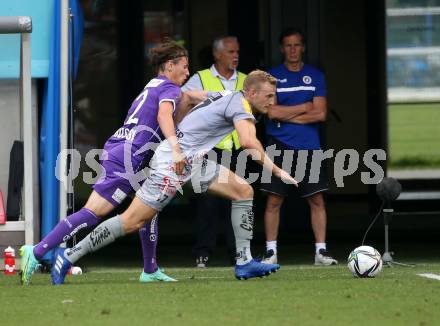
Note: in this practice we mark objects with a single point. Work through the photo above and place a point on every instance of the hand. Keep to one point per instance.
(287, 178)
(179, 160)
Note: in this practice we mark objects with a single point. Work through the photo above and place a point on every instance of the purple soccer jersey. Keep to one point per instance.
(132, 145)
(141, 127)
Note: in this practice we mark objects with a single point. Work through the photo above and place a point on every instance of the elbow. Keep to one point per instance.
(322, 116)
(246, 143)
(185, 98)
(318, 117)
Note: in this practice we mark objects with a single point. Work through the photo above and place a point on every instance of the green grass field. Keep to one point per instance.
(296, 295)
(414, 135)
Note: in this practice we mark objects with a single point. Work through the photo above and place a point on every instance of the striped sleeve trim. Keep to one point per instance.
(296, 89)
(169, 100)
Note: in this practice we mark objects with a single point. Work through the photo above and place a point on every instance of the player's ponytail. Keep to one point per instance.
(165, 51)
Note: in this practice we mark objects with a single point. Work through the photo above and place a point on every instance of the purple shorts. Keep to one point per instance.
(114, 184)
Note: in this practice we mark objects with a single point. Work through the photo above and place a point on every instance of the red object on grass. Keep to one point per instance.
(9, 261)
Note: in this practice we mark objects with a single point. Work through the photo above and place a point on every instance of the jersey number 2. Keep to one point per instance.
(143, 97)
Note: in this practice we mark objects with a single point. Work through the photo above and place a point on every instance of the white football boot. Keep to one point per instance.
(323, 258)
(270, 257)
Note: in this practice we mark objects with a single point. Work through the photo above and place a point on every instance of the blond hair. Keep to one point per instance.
(256, 78)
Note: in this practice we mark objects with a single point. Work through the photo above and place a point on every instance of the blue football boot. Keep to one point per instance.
(254, 269)
(60, 267)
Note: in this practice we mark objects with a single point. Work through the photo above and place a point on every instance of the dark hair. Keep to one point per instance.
(165, 51)
(292, 31)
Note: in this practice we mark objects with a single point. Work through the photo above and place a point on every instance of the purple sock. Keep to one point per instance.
(149, 234)
(64, 230)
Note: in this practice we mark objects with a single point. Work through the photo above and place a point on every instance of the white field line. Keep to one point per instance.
(199, 271)
(192, 278)
(430, 275)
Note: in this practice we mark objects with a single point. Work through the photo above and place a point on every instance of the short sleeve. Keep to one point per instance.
(170, 93)
(238, 109)
(321, 89)
(194, 83)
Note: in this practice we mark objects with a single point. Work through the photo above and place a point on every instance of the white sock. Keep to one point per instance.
(271, 245)
(320, 245)
(243, 255)
(104, 234)
(242, 219)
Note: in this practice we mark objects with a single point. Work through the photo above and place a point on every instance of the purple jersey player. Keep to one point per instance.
(149, 120)
(128, 150)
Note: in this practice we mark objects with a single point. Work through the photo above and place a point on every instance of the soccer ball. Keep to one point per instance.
(365, 261)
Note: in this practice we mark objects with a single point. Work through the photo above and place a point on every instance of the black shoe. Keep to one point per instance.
(202, 261)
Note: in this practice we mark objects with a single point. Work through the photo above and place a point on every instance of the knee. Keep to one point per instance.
(274, 203)
(131, 222)
(316, 202)
(243, 192)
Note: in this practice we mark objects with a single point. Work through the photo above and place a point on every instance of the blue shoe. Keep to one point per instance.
(157, 276)
(60, 267)
(254, 269)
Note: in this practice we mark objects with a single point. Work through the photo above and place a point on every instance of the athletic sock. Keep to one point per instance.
(319, 246)
(149, 237)
(64, 230)
(104, 234)
(271, 245)
(242, 219)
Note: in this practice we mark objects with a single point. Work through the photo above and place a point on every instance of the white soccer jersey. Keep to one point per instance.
(210, 121)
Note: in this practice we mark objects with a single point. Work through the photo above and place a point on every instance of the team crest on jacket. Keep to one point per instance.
(307, 80)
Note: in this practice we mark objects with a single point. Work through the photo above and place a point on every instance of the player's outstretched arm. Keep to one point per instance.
(183, 108)
(196, 96)
(188, 100)
(248, 139)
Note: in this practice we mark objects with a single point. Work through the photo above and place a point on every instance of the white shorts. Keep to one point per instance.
(161, 185)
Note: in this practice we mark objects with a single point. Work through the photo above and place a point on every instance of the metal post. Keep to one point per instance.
(387, 243)
(29, 121)
(30, 137)
(64, 70)
(387, 255)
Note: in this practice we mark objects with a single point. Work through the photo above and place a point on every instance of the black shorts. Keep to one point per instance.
(309, 185)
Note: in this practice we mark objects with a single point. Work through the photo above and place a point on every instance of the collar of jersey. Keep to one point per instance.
(215, 73)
